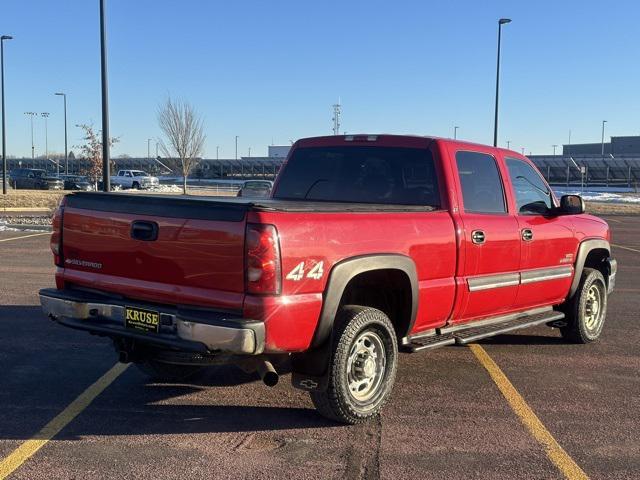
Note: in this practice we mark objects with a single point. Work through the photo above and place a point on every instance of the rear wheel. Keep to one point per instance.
(362, 367)
(167, 372)
(587, 309)
(135, 186)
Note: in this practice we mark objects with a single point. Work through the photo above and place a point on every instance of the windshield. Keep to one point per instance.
(140, 174)
(39, 173)
(355, 174)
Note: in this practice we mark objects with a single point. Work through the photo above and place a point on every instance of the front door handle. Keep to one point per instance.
(477, 237)
(527, 234)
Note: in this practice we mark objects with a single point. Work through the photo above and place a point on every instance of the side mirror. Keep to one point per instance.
(571, 205)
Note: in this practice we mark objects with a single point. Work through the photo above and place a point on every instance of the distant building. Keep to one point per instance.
(279, 151)
(617, 146)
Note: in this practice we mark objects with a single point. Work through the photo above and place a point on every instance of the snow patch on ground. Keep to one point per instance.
(601, 196)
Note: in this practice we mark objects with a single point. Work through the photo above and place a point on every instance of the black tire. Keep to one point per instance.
(583, 324)
(354, 325)
(135, 186)
(167, 372)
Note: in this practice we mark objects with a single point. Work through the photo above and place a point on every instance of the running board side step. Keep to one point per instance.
(462, 335)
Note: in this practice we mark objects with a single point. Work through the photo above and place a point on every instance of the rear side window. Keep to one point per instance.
(532, 194)
(355, 174)
(482, 190)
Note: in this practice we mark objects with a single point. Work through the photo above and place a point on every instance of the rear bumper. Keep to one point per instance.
(180, 328)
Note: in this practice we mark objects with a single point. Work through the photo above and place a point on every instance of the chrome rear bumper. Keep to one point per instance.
(183, 329)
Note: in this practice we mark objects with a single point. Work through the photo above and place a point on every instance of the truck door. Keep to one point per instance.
(488, 275)
(547, 241)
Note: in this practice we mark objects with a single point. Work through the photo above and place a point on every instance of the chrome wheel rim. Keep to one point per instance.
(593, 307)
(366, 366)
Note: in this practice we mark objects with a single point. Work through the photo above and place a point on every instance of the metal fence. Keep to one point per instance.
(242, 168)
(590, 170)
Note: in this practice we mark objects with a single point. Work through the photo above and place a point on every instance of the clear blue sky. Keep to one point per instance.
(271, 70)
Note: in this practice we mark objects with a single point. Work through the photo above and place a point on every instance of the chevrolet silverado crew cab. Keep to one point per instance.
(135, 179)
(368, 245)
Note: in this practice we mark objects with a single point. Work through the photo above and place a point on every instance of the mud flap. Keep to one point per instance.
(310, 369)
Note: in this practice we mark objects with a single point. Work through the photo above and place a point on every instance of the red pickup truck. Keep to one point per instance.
(369, 245)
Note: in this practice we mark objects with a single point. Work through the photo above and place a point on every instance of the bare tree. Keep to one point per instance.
(92, 151)
(183, 128)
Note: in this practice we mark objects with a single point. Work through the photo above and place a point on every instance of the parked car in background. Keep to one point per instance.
(35, 179)
(256, 188)
(76, 182)
(136, 179)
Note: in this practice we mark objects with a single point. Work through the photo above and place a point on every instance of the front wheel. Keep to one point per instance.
(362, 368)
(587, 309)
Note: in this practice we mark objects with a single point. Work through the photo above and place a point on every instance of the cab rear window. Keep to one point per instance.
(354, 174)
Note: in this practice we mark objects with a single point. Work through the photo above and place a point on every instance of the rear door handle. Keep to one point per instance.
(477, 237)
(527, 234)
(144, 230)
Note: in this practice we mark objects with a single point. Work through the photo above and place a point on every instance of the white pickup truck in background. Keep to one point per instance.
(136, 179)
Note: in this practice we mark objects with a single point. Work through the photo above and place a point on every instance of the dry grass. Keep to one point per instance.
(30, 199)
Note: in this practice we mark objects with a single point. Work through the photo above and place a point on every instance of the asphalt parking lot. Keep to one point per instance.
(447, 418)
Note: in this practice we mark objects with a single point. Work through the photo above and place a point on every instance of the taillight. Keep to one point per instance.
(56, 235)
(262, 259)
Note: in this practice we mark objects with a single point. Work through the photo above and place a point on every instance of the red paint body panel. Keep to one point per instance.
(201, 262)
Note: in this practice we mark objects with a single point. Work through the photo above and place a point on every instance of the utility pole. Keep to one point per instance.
(66, 153)
(148, 149)
(236, 147)
(554, 149)
(337, 111)
(249, 152)
(217, 151)
(508, 144)
(45, 115)
(106, 174)
(4, 131)
(33, 148)
(455, 132)
(603, 122)
(501, 22)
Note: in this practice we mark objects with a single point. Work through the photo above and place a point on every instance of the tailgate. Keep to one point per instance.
(195, 255)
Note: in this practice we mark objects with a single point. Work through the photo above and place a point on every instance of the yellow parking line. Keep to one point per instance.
(554, 451)
(626, 248)
(24, 236)
(28, 448)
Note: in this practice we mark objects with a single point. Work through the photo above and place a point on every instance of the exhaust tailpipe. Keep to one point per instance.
(267, 373)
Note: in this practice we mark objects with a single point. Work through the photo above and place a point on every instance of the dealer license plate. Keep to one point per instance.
(141, 319)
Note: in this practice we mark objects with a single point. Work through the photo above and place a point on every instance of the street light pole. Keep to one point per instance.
(45, 115)
(501, 22)
(554, 149)
(33, 149)
(508, 144)
(66, 152)
(236, 147)
(4, 137)
(148, 149)
(106, 174)
(603, 122)
(455, 132)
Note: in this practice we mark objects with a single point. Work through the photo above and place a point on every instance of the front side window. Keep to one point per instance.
(533, 197)
(359, 174)
(482, 190)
